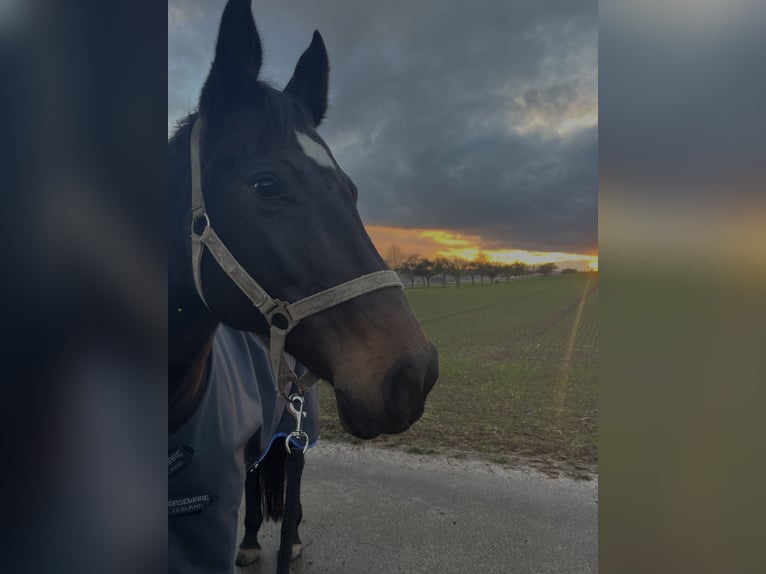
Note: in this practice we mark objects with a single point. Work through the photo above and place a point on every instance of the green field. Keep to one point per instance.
(518, 382)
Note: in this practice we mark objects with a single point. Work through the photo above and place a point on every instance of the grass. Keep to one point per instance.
(518, 382)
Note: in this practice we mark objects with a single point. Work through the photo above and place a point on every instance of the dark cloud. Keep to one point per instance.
(478, 117)
(682, 95)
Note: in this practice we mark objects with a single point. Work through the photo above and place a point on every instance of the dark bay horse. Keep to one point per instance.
(287, 212)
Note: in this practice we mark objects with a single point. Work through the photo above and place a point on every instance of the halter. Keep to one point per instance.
(281, 316)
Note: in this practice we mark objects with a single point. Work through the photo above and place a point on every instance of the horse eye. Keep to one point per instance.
(266, 188)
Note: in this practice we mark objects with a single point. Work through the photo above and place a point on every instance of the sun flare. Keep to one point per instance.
(432, 243)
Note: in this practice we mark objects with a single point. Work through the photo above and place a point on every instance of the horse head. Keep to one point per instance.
(288, 213)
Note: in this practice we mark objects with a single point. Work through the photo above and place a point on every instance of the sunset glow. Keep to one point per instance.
(443, 243)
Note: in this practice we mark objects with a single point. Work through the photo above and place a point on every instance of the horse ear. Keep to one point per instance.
(311, 78)
(238, 53)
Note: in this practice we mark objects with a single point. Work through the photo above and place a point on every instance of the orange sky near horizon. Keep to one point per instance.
(445, 243)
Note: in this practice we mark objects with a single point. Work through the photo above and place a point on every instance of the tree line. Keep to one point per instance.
(414, 267)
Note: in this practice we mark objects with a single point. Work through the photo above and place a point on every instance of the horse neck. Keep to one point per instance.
(191, 326)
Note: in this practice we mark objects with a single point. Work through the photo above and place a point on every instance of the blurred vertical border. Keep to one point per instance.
(83, 285)
(682, 245)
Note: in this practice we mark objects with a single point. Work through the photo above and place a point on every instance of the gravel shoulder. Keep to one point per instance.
(374, 510)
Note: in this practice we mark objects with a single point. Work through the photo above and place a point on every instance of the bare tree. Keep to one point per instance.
(546, 269)
(410, 268)
(457, 267)
(395, 257)
(425, 269)
(471, 270)
(518, 269)
(482, 263)
(441, 267)
(493, 270)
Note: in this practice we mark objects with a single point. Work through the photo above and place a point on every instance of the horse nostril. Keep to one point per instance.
(403, 392)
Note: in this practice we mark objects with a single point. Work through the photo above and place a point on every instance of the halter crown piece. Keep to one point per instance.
(280, 315)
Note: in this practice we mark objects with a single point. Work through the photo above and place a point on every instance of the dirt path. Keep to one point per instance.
(378, 511)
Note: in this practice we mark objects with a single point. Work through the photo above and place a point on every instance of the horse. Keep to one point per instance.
(276, 248)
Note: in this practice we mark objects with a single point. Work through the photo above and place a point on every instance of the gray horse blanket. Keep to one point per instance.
(239, 417)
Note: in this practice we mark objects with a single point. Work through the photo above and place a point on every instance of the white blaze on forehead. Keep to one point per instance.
(315, 151)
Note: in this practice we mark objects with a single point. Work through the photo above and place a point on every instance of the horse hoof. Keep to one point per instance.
(247, 556)
(297, 551)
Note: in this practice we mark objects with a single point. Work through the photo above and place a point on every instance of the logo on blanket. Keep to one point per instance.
(189, 503)
(179, 458)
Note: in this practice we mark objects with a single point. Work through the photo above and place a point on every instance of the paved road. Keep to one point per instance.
(375, 511)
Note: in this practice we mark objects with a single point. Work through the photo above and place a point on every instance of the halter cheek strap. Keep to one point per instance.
(280, 315)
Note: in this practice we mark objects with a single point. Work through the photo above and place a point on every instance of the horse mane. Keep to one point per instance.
(280, 113)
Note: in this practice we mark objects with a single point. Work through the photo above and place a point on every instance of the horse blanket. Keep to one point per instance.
(240, 415)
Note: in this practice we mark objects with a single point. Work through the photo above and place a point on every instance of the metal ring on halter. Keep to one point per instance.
(279, 316)
(196, 218)
(297, 435)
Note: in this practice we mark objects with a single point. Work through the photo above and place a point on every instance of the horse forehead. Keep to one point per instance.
(315, 150)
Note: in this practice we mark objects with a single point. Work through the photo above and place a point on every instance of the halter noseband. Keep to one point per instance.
(280, 315)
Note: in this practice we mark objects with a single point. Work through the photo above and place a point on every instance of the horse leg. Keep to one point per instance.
(249, 549)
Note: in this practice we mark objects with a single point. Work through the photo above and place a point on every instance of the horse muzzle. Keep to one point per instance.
(398, 405)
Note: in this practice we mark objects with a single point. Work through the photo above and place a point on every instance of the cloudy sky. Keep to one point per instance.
(465, 125)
